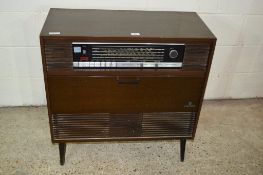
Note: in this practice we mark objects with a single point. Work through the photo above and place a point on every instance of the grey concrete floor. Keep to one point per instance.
(229, 140)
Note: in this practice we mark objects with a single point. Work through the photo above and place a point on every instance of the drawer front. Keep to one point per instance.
(124, 94)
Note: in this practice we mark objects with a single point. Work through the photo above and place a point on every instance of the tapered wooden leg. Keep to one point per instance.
(62, 152)
(182, 149)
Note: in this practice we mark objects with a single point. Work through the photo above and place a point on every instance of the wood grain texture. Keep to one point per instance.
(123, 94)
(121, 23)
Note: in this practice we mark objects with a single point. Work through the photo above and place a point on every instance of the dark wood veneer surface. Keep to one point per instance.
(121, 23)
(78, 95)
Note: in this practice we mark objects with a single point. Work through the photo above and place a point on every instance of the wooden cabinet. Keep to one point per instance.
(87, 104)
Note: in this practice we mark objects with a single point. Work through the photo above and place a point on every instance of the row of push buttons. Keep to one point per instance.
(94, 64)
(126, 64)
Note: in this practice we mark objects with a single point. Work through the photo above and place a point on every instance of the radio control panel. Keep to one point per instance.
(127, 55)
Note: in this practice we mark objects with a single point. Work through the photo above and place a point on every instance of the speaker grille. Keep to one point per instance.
(58, 55)
(168, 124)
(80, 126)
(146, 125)
(196, 56)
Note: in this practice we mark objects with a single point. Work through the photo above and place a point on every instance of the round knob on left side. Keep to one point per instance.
(173, 53)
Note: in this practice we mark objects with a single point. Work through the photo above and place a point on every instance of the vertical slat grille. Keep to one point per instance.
(102, 125)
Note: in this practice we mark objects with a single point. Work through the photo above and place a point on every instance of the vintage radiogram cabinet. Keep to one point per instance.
(124, 75)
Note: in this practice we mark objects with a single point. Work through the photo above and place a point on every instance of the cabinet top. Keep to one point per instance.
(125, 23)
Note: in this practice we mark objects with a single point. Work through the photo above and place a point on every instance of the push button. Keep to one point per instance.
(75, 64)
(91, 64)
(97, 64)
(108, 64)
(113, 64)
(102, 64)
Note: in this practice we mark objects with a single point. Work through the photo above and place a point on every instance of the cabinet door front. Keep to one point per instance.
(124, 94)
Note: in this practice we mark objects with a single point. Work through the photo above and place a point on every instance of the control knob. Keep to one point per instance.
(173, 53)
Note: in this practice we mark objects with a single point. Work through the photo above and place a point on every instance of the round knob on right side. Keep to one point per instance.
(173, 53)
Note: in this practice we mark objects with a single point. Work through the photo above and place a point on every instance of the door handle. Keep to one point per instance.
(128, 80)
